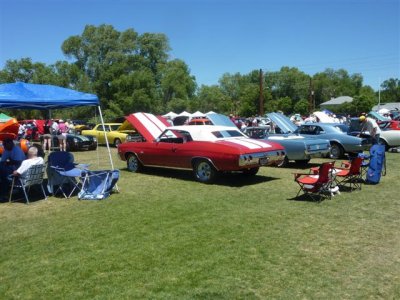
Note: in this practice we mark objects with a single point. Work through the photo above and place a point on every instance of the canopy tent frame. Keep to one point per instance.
(21, 95)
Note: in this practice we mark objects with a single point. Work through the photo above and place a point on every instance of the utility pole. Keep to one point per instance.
(261, 99)
(311, 98)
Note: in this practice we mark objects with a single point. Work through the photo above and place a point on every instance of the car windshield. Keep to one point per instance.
(341, 128)
(114, 127)
(175, 136)
(227, 133)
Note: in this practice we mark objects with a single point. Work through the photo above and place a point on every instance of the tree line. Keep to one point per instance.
(132, 72)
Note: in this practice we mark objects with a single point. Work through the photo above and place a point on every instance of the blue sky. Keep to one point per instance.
(214, 37)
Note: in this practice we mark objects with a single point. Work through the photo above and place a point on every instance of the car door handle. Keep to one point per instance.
(174, 149)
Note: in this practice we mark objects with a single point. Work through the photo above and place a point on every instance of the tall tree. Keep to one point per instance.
(390, 90)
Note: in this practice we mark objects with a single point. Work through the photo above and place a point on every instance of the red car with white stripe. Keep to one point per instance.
(205, 149)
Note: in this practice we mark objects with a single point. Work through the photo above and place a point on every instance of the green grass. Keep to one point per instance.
(165, 236)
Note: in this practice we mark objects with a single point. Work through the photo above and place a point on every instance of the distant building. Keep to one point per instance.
(337, 101)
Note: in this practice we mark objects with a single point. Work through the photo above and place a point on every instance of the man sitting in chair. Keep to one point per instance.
(32, 160)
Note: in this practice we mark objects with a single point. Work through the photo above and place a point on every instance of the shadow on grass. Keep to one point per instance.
(225, 179)
(307, 198)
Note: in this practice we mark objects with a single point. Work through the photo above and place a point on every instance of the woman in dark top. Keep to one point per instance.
(46, 136)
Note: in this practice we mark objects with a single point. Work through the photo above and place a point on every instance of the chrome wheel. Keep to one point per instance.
(336, 151)
(204, 171)
(133, 163)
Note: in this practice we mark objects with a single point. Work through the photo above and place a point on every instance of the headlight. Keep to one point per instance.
(76, 140)
(94, 139)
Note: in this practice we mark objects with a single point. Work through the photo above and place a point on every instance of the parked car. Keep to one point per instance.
(116, 132)
(9, 130)
(298, 148)
(336, 133)
(389, 137)
(206, 149)
(76, 142)
(200, 121)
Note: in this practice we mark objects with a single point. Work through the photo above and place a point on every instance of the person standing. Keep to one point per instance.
(62, 135)
(46, 136)
(369, 125)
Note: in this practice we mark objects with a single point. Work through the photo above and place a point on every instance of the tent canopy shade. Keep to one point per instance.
(42, 97)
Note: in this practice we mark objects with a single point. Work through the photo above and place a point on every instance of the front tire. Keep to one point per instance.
(133, 164)
(337, 151)
(204, 171)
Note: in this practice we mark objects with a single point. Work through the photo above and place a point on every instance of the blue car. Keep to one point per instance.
(340, 141)
(298, 148)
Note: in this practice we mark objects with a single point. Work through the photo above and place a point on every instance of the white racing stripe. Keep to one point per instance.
(156, 121)
(149, 123)
(248, 144)
(260, 143)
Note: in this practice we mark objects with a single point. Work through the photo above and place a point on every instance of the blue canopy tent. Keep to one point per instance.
(21, 95)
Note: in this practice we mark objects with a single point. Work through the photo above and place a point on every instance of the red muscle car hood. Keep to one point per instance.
(148, 125)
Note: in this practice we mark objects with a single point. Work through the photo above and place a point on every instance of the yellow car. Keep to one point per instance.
(116, 132)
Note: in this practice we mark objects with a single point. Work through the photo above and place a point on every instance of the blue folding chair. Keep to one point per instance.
(62, 171)
(97, 185)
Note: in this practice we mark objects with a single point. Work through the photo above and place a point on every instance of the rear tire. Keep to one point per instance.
(251, 172)
(204, 171)
(133, 164)
(117, 142)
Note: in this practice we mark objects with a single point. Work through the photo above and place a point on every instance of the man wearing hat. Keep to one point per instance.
(370, 125)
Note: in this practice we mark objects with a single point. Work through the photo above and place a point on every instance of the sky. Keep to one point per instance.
(214, 37)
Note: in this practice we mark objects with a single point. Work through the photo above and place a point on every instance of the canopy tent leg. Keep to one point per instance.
(107, 143)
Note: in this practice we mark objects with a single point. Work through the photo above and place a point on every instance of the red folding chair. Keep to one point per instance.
(316, 184)
(350, 174)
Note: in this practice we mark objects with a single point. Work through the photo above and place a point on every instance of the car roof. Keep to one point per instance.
(202, 133)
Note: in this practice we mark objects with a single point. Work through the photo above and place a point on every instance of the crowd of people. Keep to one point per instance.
(58, 128)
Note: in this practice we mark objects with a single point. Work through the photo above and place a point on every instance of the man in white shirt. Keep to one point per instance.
(369, 125)
(32, 160)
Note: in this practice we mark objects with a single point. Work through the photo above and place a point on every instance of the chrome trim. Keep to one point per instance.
(254, 158)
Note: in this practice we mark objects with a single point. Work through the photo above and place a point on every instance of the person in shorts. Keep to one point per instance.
(62, 135)
(46, 136)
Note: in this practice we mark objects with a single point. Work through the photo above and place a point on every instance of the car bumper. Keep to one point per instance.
(261, 159)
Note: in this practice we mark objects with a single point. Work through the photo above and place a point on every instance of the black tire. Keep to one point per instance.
(251, 171)
(382, 142)
(337, 151)
(284, 163)
(204, 171)
(117, 142)
(133, 164)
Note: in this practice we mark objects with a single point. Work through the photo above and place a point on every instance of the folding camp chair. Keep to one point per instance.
(97, 185)
(62, 172)
(33, 176)
(316, 184)
(350, 174)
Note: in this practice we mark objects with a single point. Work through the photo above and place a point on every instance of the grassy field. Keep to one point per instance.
(165, 236)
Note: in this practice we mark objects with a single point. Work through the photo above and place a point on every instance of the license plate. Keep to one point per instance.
(263, 161)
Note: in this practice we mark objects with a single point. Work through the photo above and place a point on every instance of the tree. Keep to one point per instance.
(176, 81)
(212, 98)
(390, 90)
